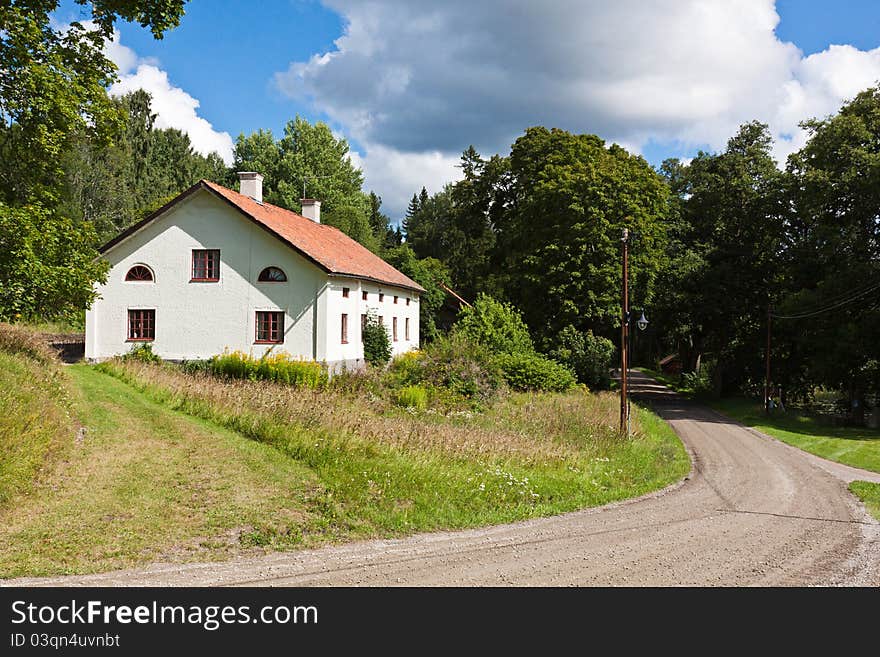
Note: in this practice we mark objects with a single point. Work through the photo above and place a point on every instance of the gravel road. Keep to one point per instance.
(754, 511)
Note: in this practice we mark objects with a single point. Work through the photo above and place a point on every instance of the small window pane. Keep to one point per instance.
(139, 273)
(141, 324)
(272, 275)
(406, 329)
(344, 328)
(394, 328)
(206, 264)
(364, 296)
(270, 326)
(345, 292)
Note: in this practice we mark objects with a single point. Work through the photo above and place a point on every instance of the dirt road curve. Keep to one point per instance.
(753, 512)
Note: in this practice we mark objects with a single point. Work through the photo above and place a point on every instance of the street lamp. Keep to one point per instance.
(625, 319)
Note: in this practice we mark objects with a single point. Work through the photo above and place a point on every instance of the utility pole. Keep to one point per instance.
(767, 374)
(624, 335)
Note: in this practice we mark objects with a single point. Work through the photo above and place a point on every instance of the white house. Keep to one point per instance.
(216, 269)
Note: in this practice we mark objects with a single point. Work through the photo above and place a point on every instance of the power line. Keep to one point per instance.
(833, 306)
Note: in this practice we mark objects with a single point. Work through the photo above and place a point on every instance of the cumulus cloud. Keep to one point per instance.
(409, 78)
(174, 107)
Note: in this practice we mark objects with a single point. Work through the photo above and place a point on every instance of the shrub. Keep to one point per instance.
(279, 367)
(377, 345)
(461, 366)
(535, 372)
(406, 369)
(587, 355)
(411, 397)
(496, 325)
(143, 352)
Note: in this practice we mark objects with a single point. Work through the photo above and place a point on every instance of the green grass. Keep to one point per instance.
(147, 484)
(34, 421)
(176, 468)
(869, 493)
(855, 446)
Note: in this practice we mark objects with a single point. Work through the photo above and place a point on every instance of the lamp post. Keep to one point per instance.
(624, 334)
(641, 322)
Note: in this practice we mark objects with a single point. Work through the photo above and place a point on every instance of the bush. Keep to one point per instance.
(587, 355)
(279, 367)
(377, 345)
(143, 352)
(406, 369)
(535, 372)
(411, 397)
(454, 363)
(496, 325)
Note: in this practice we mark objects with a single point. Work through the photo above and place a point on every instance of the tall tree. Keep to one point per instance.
(54, 83)
(310, 159)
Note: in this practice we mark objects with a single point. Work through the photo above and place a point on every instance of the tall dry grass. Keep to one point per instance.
(528, 427)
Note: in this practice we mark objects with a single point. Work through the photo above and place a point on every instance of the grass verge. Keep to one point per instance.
(180, 467)
(869, 493)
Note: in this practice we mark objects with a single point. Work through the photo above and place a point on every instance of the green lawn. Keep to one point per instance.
(166, 473)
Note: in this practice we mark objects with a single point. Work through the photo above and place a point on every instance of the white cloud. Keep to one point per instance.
(411, 78)
(396, 175)
(174, 107)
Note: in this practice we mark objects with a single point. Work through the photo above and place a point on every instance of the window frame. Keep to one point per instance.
(260, 278)
(363, 325)
(395, 298)
(394, 329)
(208, 253)
(144, 312)
(346, 291)
(381, 297)
(343, 337)
(279, 326)
(151, 279)
(406, 329)
(364, 295)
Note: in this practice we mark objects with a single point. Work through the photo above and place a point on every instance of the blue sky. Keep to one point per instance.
(411, 84)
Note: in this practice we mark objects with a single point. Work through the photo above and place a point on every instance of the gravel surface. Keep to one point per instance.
(753, 511)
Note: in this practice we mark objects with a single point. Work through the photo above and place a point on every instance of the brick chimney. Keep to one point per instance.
(311, 209)
(250, 183)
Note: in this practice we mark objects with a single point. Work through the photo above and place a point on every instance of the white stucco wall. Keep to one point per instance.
(196, 320)
(354, 306)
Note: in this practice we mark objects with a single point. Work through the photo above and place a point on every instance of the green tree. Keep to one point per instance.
(833, 253)
(560, 246)
(54, 84)
(728, 267)
(47, 265)
(432, 275)
(310, 158)
(496, 325)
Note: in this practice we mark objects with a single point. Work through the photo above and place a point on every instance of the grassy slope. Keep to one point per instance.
(869, 493)
(34, 421)
(152, 483)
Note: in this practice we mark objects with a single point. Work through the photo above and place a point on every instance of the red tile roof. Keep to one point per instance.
(328, 247)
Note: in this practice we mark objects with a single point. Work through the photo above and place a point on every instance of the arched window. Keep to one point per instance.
(272, 275)
(139, 273)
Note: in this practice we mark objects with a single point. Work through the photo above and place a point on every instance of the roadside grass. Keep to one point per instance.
(869, 493)
(178, 467)
(386, 471)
